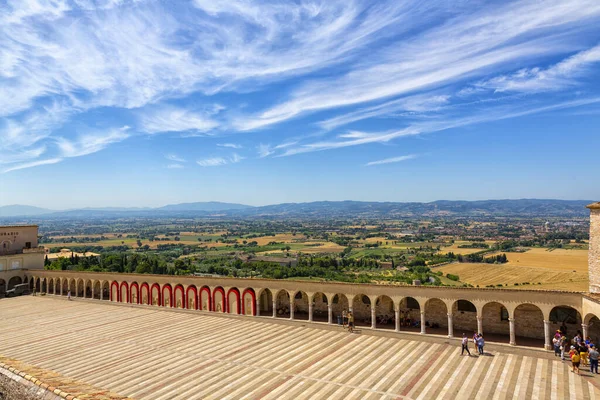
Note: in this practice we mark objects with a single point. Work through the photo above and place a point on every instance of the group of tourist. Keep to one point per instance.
(582, 352)
(478, 341)
(348, 320)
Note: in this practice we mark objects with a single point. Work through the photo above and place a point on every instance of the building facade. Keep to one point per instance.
(19, 251)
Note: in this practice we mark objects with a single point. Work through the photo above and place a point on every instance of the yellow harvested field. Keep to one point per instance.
(494, 274)
(456, 250)
(559, 259)
(280, 237)
(66, 253)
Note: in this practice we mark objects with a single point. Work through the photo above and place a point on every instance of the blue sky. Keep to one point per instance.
(148, 102)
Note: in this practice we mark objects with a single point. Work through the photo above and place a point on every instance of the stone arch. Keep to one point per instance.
(320, 307)
(88, 289)
(114, 291)
(105, 290)
(410, 314)
(31, 283)
(248, 302)
(65, 286)
(124, 293)
(282, 303)
(97, 290)
(529, 325)
(565, 316)
(58, 286)
(385, 312)
(494, 321)
(134, 293)
(80, 286)
(339, 304)
(145, 297)
(44, 285)
(265, 301)
(219, 300)
(464, 317)
(361, 308)
(167, 295)
(2, 286)
(38, 285)
(191, 295)
(15, 280)
(593, 328)
(205, 301)
(300, 304)
(179, 297)
(51, 286)
(73, 287)
(233, 301)
(156, 295)
(436, 316)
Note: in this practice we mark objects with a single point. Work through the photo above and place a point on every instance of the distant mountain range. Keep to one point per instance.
(341, 209)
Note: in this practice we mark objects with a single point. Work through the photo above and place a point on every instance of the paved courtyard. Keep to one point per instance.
(149, 353)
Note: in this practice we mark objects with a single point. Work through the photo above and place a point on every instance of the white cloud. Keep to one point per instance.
(175, 166)
(31, 164)
(230, 145)
(218, 161)
(392, 160)
(175, 157)
(174, 119)
(90, 142)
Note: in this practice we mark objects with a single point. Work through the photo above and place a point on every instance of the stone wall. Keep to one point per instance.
(594, 248)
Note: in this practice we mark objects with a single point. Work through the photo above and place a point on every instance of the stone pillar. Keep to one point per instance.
(397, 315)
(61, 288)
(423, 331)
(584, 331)
(547, 341)
(511, 324)
(93, 290)
(373, 318)
(292, 308)
(274, 308)
(258, 307)
(310, 311)
(450, 326)
(594, 248)
(101, 291)
(480, 324)
(329, 314)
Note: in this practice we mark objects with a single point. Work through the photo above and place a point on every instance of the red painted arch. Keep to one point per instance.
(237, 293)
(134, 284)
(149, 300)
(183, 299)
(219, 289)
(167, 287)
(127, 300)
(114, 283)
(210, 299)
(194, 294)
(157, 286)
(251, 291)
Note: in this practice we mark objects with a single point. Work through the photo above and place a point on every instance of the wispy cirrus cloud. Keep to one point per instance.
(175, 119)
(219, 161)
(175, 157)
(175, 166)
(392, 160)
(230, 145)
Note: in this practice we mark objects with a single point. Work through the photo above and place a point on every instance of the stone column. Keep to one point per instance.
(594, 248)
(274, 308)
(329, 314)
(511, 324)
(423, 331)
(584, 330)
(292, 308)
(93, 290)
(450, 326)
(61, 288)
(373, 318)
(257, 307)
(480, 324)
(310, 312)
(101, 291)
(547, 340)
(397, 314)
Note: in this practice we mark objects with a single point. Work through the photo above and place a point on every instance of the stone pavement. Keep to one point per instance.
(151, 353)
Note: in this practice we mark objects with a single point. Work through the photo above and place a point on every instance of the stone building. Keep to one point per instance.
(19, 251)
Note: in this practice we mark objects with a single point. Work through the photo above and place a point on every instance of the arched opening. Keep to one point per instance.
(72, 287)
(219, 300)
(134, 293)
(205, 299)
(88, 289)
(565, 318)
(145, 297)
(248, 302)
(436, 317)
(15, 280)
(124, 294)
(385, 313)
(105, 291)
(58, 287)
(361, 308)
(301, 306)
(339, 304)
(464, 318)
(2, 286)
(97, 290)
(320, 309)
(233, 301)
(167, 295)
(191, 295)
(31, 283)
(495, 323)
(529, 325)
(114, 291)
(410, 314)
(51, 286)
(80, 288)
(44, 285)
(266, 302)
(179, 297)
(65, 286)
(282, 302)
(38, 285)
(156, 295)
(593, 330)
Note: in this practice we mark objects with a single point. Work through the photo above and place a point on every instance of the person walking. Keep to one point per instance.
(575, 359)
(69, 295)
(583, 354)
(556, 345)
(593, 354)
(465, 345)
(563, 347)
(350, 322)
(480, 343)
(344, 318)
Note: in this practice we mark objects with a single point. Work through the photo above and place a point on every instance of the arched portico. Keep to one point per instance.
(145, 297)
(528, 323)
(89, 285)
(167, 295)
(156, 295)
(51, 286)
(339, 304)
(495, 322)
(361, 308)
(301, 305)
(205, 299)
(464, 318)
(97, 290)
(191, 294)
(114, 292)
(233, 301)
(436, 317)
(219, 301)
(266, 303)
(591, 323)
(385, 313)
(134, 293)
(15, 280)
(179, 297)
(105, 291)
(282, 304)
(124, 294)
(410, 314)
(248, 302)
(320, 307)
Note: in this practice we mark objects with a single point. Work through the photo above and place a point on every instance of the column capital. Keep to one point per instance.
(511, 320)
(584, 325)
(546, 322)
(450, 314)
(479, 318)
